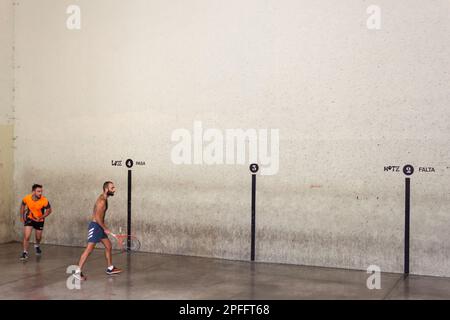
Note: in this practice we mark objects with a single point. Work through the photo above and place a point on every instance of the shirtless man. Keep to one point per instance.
(98, 232)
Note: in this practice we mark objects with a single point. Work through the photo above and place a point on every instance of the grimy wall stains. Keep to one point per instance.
(6, 182)
(6, 119)
(347, 101)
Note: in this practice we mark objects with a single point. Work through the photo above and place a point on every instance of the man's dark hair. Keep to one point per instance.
(35, 186)
(106, 185)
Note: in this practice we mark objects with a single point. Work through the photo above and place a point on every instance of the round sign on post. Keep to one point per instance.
(254, 168)
(408, 170)
(129, 163)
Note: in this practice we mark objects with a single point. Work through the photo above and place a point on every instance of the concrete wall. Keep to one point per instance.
(347, 101)
(6, 118)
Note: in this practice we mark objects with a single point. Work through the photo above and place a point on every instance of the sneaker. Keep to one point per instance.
(114, 270)
(80, 276)
(38, 251)
(24, 256)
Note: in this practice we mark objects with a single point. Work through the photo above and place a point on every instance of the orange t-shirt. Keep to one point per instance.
(35, 209)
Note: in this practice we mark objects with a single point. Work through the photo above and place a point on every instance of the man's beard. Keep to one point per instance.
(109, 193)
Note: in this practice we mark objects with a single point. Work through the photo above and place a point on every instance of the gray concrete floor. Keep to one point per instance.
(156, 276)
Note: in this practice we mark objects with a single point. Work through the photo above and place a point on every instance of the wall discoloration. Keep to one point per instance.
(6, 117)
(6, 181)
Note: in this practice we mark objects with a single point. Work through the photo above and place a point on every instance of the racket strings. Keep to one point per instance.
(134, 244)
(129, 243)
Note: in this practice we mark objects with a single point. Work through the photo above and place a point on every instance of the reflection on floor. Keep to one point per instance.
(156, 276)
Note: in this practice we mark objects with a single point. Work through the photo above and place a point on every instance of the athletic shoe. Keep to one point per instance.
(38, 251)
(114, 270)
(80, 276)
(24, 256)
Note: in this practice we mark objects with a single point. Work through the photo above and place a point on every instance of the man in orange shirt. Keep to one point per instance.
(33, 211)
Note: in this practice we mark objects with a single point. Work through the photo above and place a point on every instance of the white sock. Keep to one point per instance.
(111, 267)
(25, 251)
(36, 245)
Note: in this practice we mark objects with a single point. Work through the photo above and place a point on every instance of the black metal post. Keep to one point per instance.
(253, 216)
(129, 211)
(407, 223)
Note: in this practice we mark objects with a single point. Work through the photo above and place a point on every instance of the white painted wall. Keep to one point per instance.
(347, 101)
(6, 118)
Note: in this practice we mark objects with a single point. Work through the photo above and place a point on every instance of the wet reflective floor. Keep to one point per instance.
(157, 276)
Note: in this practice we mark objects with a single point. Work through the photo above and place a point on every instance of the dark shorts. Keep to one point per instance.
(95, 233)
(35, 224)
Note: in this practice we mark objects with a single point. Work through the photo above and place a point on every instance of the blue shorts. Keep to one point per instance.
(95, 233)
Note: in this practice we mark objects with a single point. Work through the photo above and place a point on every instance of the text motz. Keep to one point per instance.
(392, 168)
(230, 146)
